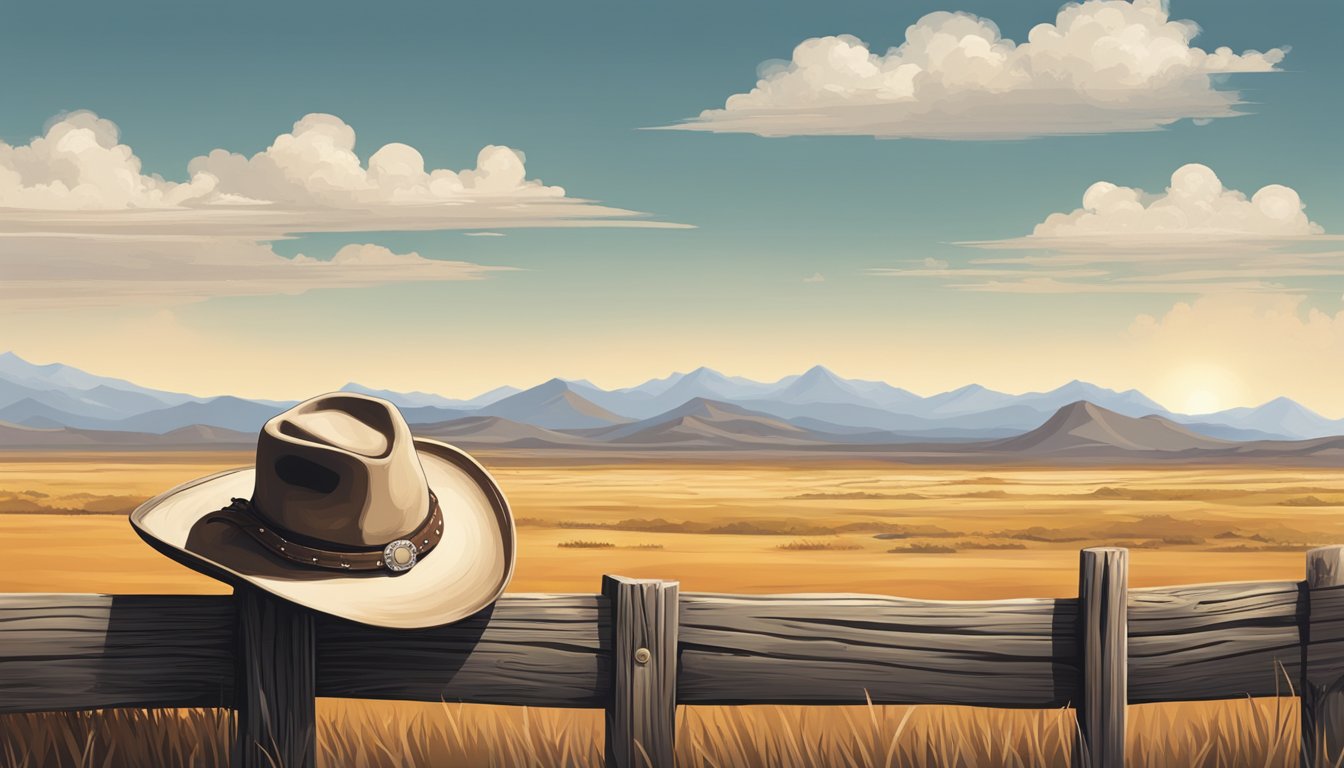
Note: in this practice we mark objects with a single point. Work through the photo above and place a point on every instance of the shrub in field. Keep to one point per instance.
(924, 549)
(816, 545)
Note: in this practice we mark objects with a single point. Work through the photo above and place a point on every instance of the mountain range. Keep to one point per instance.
(57, 406)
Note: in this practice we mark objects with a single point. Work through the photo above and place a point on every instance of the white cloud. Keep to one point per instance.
(1197, 236)
(484, 234)
(61, 273)
(82, 223)
(1102, 66)
(816, 277)
(79, 178)
(1195, 204)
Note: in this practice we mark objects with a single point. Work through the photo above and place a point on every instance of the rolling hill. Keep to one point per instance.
(1083, 427)
(812, 408)
(553, 405)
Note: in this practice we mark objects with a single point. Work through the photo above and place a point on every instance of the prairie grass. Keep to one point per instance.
(818, 545)
(990, 545)
(920, 548)
(1260, 732)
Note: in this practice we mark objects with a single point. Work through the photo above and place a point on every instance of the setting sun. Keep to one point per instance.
(1201, 387)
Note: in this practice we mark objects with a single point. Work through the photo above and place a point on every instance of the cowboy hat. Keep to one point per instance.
(345, 512)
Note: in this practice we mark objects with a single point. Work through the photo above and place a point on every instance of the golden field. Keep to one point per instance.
(795, 525)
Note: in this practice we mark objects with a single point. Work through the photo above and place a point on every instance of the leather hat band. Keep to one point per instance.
(395, 556)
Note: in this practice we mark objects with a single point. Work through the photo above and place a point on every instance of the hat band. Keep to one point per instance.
(396, 556)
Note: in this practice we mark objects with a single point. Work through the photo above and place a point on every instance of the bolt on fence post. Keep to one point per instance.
(641, 716)
(1322, 683)
(275, 683)
(1103, 583)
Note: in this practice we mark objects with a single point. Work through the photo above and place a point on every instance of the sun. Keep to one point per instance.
(1203, 401)
(1201, 386)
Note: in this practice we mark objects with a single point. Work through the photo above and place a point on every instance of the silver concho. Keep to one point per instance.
(403, 547)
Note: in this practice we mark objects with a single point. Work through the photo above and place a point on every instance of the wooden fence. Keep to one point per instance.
(639, 649)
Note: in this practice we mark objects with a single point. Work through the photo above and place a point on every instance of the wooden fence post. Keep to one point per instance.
(641, 718)
(1103, 583)
(1322, 689)
(275, 683)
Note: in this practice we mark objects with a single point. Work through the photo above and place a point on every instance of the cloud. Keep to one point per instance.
(1102, 66)
(82, 222)
(1195, 204)
(816, 277)
(78, 178)
(1265, 342)
(1196, 236)
(484, 234)
(61, 273)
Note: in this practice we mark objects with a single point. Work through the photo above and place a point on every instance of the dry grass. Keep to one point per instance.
(922, 548)
(814, 545)
(585, 544)
(1220, 734)
(723, 527)
(720, 524)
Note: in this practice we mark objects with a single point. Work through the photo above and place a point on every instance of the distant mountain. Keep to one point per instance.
(971, 398)
(817, 402)
(1131, 402)
(709, 422)
(1084, 427)
(553, 405)
(404, 400)
(498, 432)
(57, 376)
(661, 395)
(232, 413)
(1280, 416)
(15, 437)
(819, 385)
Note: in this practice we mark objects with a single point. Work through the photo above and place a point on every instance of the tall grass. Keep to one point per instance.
(1226, 734)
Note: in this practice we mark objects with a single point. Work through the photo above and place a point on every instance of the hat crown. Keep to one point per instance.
(341, 468)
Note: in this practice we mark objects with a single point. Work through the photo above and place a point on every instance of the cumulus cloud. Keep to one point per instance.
(81, 221)
(79, 178)
(1195, 204)
(815, 277)
(1196, 236)
(1102, 66)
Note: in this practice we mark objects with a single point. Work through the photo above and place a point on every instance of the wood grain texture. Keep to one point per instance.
(642, 711)
(840, 649)
(528, 650)
(70, 651)
(276, 722)
(1103, 587)
(1322, 673)
(1192, 642)
(1214, 641)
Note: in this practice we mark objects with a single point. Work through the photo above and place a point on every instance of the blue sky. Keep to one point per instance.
(572, 85)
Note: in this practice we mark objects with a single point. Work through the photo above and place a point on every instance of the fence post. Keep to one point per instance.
(1322, 689)
(274, 683)
(641, 717)
(1103, 583)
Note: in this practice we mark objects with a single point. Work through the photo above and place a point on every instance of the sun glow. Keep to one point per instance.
(1200, 387)
(1202, 401)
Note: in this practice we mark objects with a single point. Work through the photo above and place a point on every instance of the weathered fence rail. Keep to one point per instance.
(639, 648)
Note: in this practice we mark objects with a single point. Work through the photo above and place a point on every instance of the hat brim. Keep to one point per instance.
(465, 572)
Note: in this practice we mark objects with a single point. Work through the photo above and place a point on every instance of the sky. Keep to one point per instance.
(271, 200)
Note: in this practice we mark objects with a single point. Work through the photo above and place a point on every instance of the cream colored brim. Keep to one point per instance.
(466, 572)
